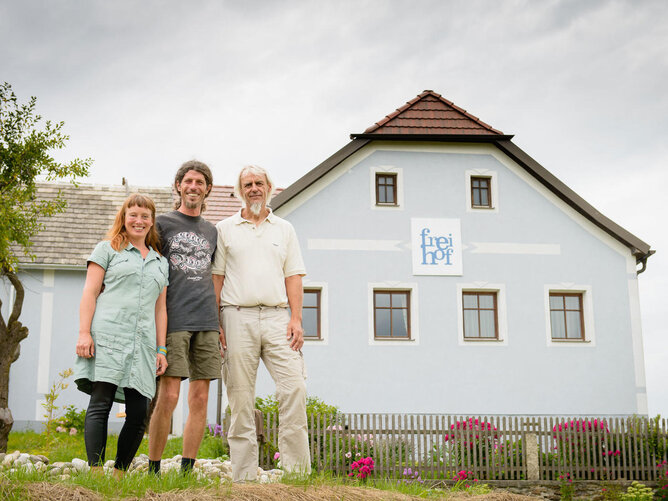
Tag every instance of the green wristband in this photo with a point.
(162, 350)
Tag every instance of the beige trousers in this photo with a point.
(253, 334)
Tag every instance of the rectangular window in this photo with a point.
(386, 189)
(392, 314)
(481, 193)
(566, 315)
(311, 314)
(481, 318)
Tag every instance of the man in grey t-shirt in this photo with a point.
(193, 332)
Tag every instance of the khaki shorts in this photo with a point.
(194, 355)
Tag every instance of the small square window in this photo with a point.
(481, 192)
(481, 317)
(392, 314)
(566, 316)
(386, 189)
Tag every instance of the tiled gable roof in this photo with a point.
(431, 113)
(69, 237)
(429, 117)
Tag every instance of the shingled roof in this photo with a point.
(69, 237)
(430, 117)
(432, 114)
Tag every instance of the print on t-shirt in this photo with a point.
(189, 253)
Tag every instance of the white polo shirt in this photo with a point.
(255, 260)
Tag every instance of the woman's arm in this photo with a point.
(93, 286)
(161, 330)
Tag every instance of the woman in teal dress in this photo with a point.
(122, 330)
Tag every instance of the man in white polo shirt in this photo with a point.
(259, 266)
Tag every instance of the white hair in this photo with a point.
(258, 171)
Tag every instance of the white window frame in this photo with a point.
(324, 318)
(502, 318)
(398, 287)
(587, 311)
(494, 190)
(386, 169)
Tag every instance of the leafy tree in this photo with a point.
(25, 146)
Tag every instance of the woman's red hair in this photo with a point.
(117, 233)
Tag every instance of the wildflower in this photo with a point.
(73, 431)
(348, 454)
(277, 456)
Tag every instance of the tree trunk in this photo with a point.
(11, 334)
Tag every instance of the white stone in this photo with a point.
(29, 466)
(264, 478)
(80, 464)
(109, 463)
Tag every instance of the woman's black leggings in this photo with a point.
(97, 417)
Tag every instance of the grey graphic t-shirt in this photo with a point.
(189, 244)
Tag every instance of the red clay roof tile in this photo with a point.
(431, 113)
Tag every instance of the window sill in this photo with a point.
(401, 339)
(482, 340)
(386, 205)
(482, 207)
(575, 341)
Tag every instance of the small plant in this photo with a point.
(463, 480)
(362, 469)
(410, 477)
(638, 492)
(611, 492)
(566, 488)
(215, 430)
(662, 491)
(73, 421)
(50, 406)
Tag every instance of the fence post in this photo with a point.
(532, 456)
(531, 448)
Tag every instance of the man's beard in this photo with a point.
(255, 208)
(191, 205)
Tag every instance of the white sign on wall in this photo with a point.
(437, 246)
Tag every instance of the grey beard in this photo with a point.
(256, 209)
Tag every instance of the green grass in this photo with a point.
(13, 486)
(65, 447)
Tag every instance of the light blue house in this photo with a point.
(448, 272)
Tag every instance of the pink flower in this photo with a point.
(73, 431)
(277, 456)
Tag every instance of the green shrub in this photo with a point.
(73, 418)
(638, 492)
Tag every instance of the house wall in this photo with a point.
(51, 313)
(551, 247)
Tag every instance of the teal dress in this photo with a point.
(123, 326)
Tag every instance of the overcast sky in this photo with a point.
(144, 86)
